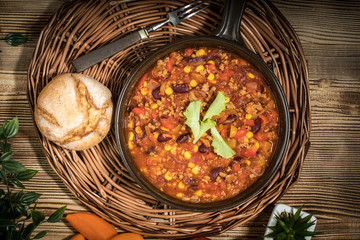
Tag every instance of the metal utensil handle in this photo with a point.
(96, 56)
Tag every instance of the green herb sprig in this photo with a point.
(192, 114)
(15, 207)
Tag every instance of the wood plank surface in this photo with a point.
(330, 182)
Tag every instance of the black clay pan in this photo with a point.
(226, 37)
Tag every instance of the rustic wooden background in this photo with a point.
(330, 182)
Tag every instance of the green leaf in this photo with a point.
(2, 175)
(41, 234)
(297, 214)
(28, 230)
(6, 156)
(5, 147)
(220, 146)
(6, 223)
(192, 114)
(19, 195)
(283, 225)
(204, 126)
(2, 133)
(57, 215)
(2, 192)
(217, 106)
(37, 217)
(11, 128)
(15, 39)
(26, 175)
(29, 198)
(13, 166)
(18, 184)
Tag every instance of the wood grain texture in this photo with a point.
(330, 182)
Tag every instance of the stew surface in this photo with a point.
(162, 145)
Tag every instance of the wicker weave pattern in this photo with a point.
(96, 176)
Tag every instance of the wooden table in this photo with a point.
(330, 182)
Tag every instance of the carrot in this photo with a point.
(127, 236)
(141, 83)
(91, 226)
(77, 237)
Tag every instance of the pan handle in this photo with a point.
(229, 27)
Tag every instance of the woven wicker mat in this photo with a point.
(97, 176)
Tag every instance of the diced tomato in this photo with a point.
(272, 115)
(250, 152)
(222, 184)
(139, 110)
(252, 86)
(211, 186)
(210, 156)
(211, 67)
(240, 133)
(261, 136)
(224, 131)
(169, 123)
(229, 73)
(170, 63)
(153, 114)
(189, 51)
(196, 158)
(150, 162)
(217, 193)
(236, 167)
(249, 122)
(141, 83)
(226, 75)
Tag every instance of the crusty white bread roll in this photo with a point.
(74, 111)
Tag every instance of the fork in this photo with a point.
(175, 17)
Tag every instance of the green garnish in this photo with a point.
(204, 126)
(192, 114)
(220, 146)
(15, 39)
(217, 106)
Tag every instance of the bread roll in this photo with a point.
(74, 111)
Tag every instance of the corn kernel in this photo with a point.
(193, 83)
(168, 176)
(250, 75)
(196, 148)
(204, 134)
(257, 145)
(130, 144)
(179, 195)
(154, 106)
(246, 140)
(198, 193)
(187, 69)
(167, 147)
(200, 52)
(249, 134)
(145, 84)
(165, 129)
(191, 164)
(168, 91)
(248, 116)
(173, 150)
(144, 91)
(211, 77)
(199, 68)
(131, 136)
(247, 162)
(130, 125)
(211, 62)
(187, 155)
(156, 135)
(138, 129)
(195, 170)
(181, 185)
(227, 99)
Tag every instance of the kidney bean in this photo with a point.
(256, 128)
(183, 138)
(237, 159)
(181, 88)
(155, 93)
(194, 187)
(214, 173)
(163, 137)
(230, 119)
(203, 148)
